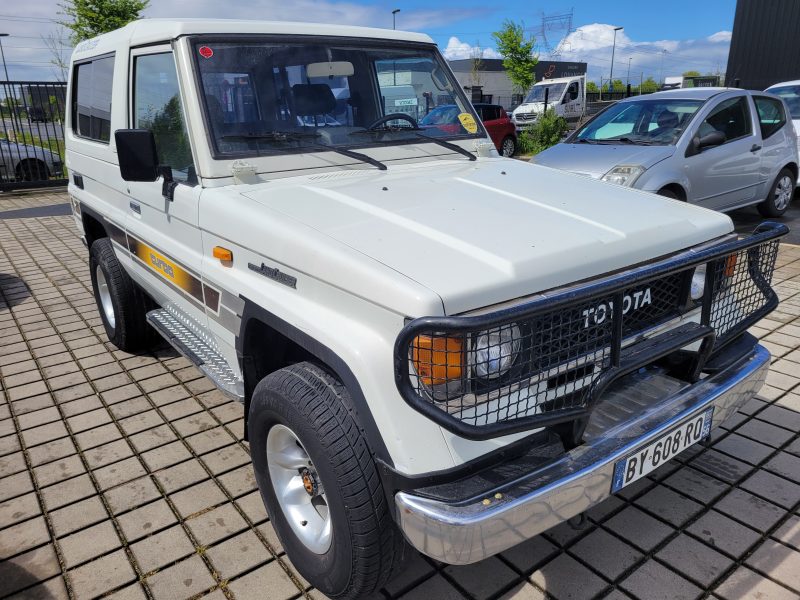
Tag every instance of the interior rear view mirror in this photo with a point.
(137, 155)
(330, 69)
(440, 79)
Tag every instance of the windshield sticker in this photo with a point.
(205, 52)
(468, 122)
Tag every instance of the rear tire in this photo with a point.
(122, 304)
(780, 195)
(32, 170)
(508, 147)
(303, 435)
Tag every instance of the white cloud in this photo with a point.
(593, 44)
(456, 49)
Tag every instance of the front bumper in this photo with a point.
(469, 531)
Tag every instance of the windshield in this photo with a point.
(790, 95)
(553, 96)
(646, 122)
(267, 96)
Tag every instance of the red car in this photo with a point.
(500, 128)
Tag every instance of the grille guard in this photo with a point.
(720, 323)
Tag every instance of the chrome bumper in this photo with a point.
(465, 533)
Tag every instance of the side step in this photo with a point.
(180, 333)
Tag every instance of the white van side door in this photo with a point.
(163, 234)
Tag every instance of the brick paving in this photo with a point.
(125, 475)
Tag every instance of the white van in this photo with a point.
(566, 95)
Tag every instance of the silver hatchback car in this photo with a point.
(718, 147)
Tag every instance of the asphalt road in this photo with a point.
(747, 218)
(43, 131)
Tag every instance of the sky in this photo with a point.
(695, 34)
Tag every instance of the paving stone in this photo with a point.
(183, 580)
(483, 579)
(721, 466)
(253, 507)
(53, 589)
(238, 554)
(34, 419)
(44, 433)
(80, 406)
(581, 583)
(197, 498)
(101, 575)
(694, 560)
(141, 422)
(744, 583)
(18, 509)
(59, 470)
(23, 536)
(132, 592)
(744, 448)
(181, 475)
(132, 494)
(89, 543)
(106, 454)
(779, 561)
(119, 472)
(194, 424)
(162, 548)
(775, 489)
(785, 464)
(697, 485)
(25, 569)
(782, 416)
(51, 451)
(751, 510)
(413, 569)
(268, 531)
(68, 491)
(655, 582)
(638, 528)
(209, 440)
(226, 459)
(146, 520)
(98, 436)
(606, 553)
(166, 456)
(724, 533)
(9, 444)
(272, 577)
(33, 404)
(669, 505)
(168, 395)
(765, 433)
(89, 420)
(152, 438)
(239, 481)
(216, 524)
(789, 532)
(78, 515)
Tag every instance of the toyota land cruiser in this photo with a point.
(433, 344)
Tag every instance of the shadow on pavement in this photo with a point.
(14, 578)
(13, 291)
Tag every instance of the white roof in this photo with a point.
(558, 80)
(783, 83)
(149, 31)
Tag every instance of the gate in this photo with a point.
(32, 134)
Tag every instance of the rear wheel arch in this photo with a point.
(793, 168)
(267, 343)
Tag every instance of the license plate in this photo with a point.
(665, 448)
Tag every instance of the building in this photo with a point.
(489, 82)
(765, 46)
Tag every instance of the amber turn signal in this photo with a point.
(730, 265)
(222, 254)
(437, 359)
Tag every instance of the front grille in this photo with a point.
(525, 116)
(540, 361)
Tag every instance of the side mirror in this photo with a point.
(715, 138)
(137, 155)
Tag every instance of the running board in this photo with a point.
(203, 354)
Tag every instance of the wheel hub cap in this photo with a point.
(298, 489)
(783, 193)
(105, 296)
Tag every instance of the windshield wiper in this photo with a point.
(415, 131)
(284, 136)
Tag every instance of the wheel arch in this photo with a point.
(267, 343)
(93, 225)
(793, 168)
(675, 188)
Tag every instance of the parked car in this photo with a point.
(565, 95)
(499, 127)
(789, 92)
(716, 147)
(37, 114)
(434, 345)
(26, 162)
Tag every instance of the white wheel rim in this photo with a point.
(508, 148)
(105, 297)
(783, 192)
(290, 469)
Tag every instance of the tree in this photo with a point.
(477, 65)
(93, 17)
(591, 86)
(691, 74)
(519, 60)
(59, 53)
(649, 86)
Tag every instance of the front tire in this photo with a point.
(508, 147)
(319, 482)
(780, 195)
(122, 304)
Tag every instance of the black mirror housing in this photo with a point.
(137, 155)
(715, 138)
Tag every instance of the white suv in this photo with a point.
(432, 343)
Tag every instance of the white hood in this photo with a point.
(490, 231)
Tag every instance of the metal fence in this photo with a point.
(32, 134)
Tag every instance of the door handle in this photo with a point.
(755, 148)
(135, 207)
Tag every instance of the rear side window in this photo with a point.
(91, 104)
(770, 115)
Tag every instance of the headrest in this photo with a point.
(313, 99)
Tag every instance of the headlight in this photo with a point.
(495, 351)
(625, 175)
(698, 282)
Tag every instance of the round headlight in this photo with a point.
(495, 350)
(698, 282)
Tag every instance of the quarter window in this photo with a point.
(731, 117)
(157, 107)
(770, 115)
(91, 116)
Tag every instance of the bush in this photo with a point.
(547, 131)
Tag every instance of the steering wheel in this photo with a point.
(393, 117)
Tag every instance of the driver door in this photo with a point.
(571, 104)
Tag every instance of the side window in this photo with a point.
(770, 115)
(731, 117)
(91, 106)
(491, 113)
(157, 106)
(572, 92)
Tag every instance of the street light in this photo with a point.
(394, 18)
(613, 47)
(628, 79)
